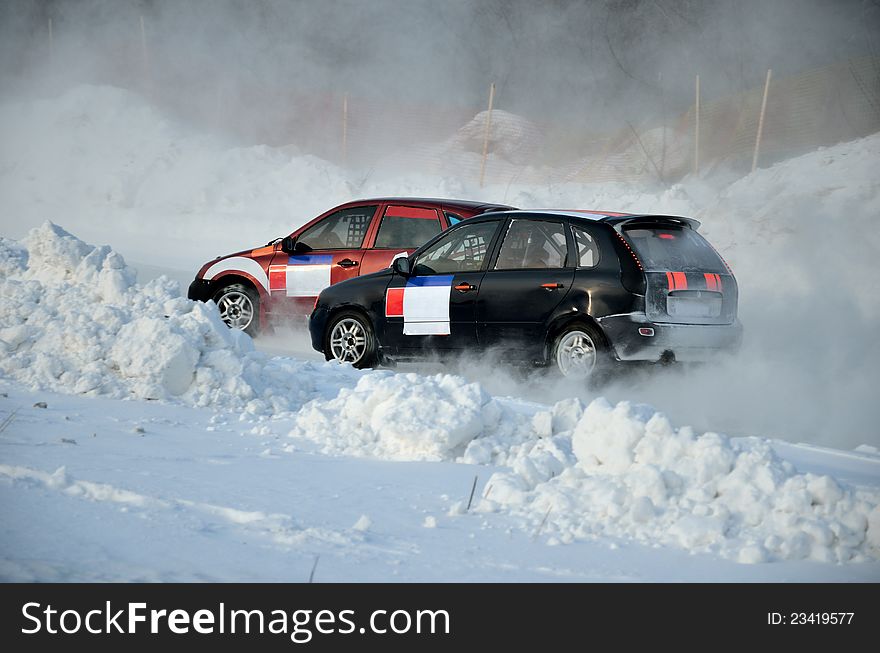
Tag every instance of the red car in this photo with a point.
(285, 277)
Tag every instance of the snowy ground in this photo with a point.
(173, 449)
(190, 500)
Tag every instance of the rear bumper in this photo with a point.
(199, 290)
(683, 342)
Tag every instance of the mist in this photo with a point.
(178, 131)
(268, 71)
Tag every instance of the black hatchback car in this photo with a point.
(574, 289)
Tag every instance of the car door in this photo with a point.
(326, 252)
(401, 229)
(435, 306)
(529, 277)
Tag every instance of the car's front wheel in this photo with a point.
(350, 339)
(579, 353)
(239, 307)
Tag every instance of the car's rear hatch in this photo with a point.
(687, 282)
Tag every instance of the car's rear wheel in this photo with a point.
(350, 339)
(239, 307)
(579, 353)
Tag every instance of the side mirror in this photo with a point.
(290, 245)
(301, 248)
(401, 266)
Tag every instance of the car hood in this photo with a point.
(247, 253)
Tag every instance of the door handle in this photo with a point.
(464, 287)
(347, 263)
(552, 286)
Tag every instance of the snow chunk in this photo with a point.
(363, 524)
(632, 474)
(400, 417)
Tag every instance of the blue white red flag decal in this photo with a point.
(423, 303)
(304, 275)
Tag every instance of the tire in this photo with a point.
(580, 353)
(239, 307)
(349, 338)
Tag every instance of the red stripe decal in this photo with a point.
(277, 277)
(670, 280)
(394, 302)
(681, 280)
(711, 282)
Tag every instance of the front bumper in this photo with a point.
(199, 290)
(681, 342)
(317, 324)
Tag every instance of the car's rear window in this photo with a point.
(673, 248)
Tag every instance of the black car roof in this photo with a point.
(608, 217)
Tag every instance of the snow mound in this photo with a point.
(72, 319)
(618, 471)
(400, 417)
(624, 471)
(511, 137)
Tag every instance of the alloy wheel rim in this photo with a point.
(348, 340)
(576, 355)
(236, 310)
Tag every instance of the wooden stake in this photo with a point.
(697, 130)
(344, 128)
(51, 44)
(486, 136)
(143, 43)
(471, 498)
(761, 121)
(543, 521)
(314, 566)
(218, 107)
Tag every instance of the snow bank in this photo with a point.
(624, 471)
(72, 319)
(619, 471)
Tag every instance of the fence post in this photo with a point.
(486, 135)
(697, 129)
(344, 128)
(761, 121)
(144, 48)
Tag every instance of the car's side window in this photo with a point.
(587, 250)
(454, 218)
(407, 228)
(533, 244)
(344, 229)
(463, 249)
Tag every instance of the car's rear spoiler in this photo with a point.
(619, 222)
